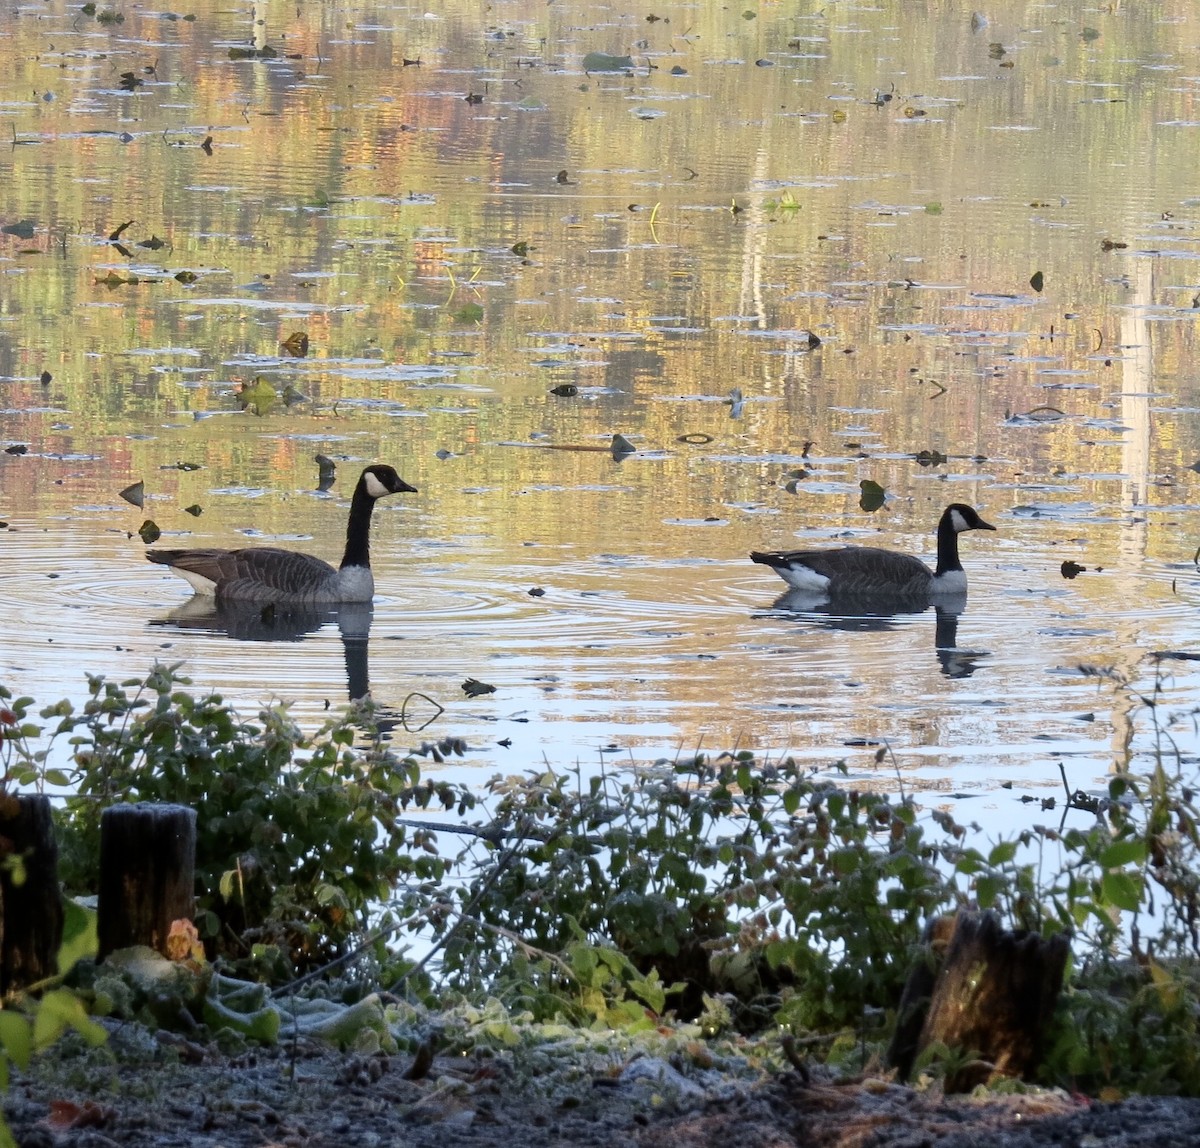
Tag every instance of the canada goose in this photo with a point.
(266, 574)
(869, 571)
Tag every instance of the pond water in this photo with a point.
(990, 224)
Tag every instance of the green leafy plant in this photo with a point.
(35, 1018)
(298, 836)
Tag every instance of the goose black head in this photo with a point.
(962, 517)
(379, 479)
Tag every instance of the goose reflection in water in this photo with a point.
(282, 622)
(882, 614)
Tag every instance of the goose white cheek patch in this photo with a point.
(374, 487)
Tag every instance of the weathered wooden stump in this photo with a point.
(31, 912)
(147, 874)
(993, 995)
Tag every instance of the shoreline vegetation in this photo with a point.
(725, 914)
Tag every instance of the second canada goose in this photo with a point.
(870, 571)
(265, 574)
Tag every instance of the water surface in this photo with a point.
(462, 219)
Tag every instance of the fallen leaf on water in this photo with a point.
(621, 446)
(149, 532)
(475, 689)
(256, 395)
(195, 510)
(117, 234)
(186, 277)
(1037, 281)
(17, 448)
(565, 390)
(296, 344)
(1072, 569)
(46, 378)
(134, 494)
(536, 592)
(603, 62)
(872, 497)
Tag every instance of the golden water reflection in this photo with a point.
(837, 214)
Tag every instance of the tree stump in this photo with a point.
(147, 874)
(31, 912)
(992, 997)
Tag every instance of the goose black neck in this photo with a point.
(358, 529)
(947, 546)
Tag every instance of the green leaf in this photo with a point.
(987, 889)
(15, 1038)
(80, 940)
(1130, 851)
(59, 1010)
(1003, 853)
(1124, 890)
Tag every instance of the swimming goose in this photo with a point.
(869, 571)
(266, 574)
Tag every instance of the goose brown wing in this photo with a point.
(858, 570)
(259, 573)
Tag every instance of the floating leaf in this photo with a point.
(603, 62)
(473, 98)
(186, 277)
(129, 82)
(930, 457)
(521, 249)
(17, 448)
(265, 53)
(46, 378)
(565, 390)
(25, 229)
(1112, 245)
(476, 689)
(471, 313)
(621, 446)
(153, 243)
(256, 395)
(291, 396)
(695, 439)
(134, 494)
(195, 510)
(117, 234)
(536, 592)
(206, 146)
(296, 344)
(1072, 569)
(1036, 281)
(872, 497)
(149, 531)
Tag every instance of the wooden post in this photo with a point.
(31, 912)
(993, 996)
(147, 874)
